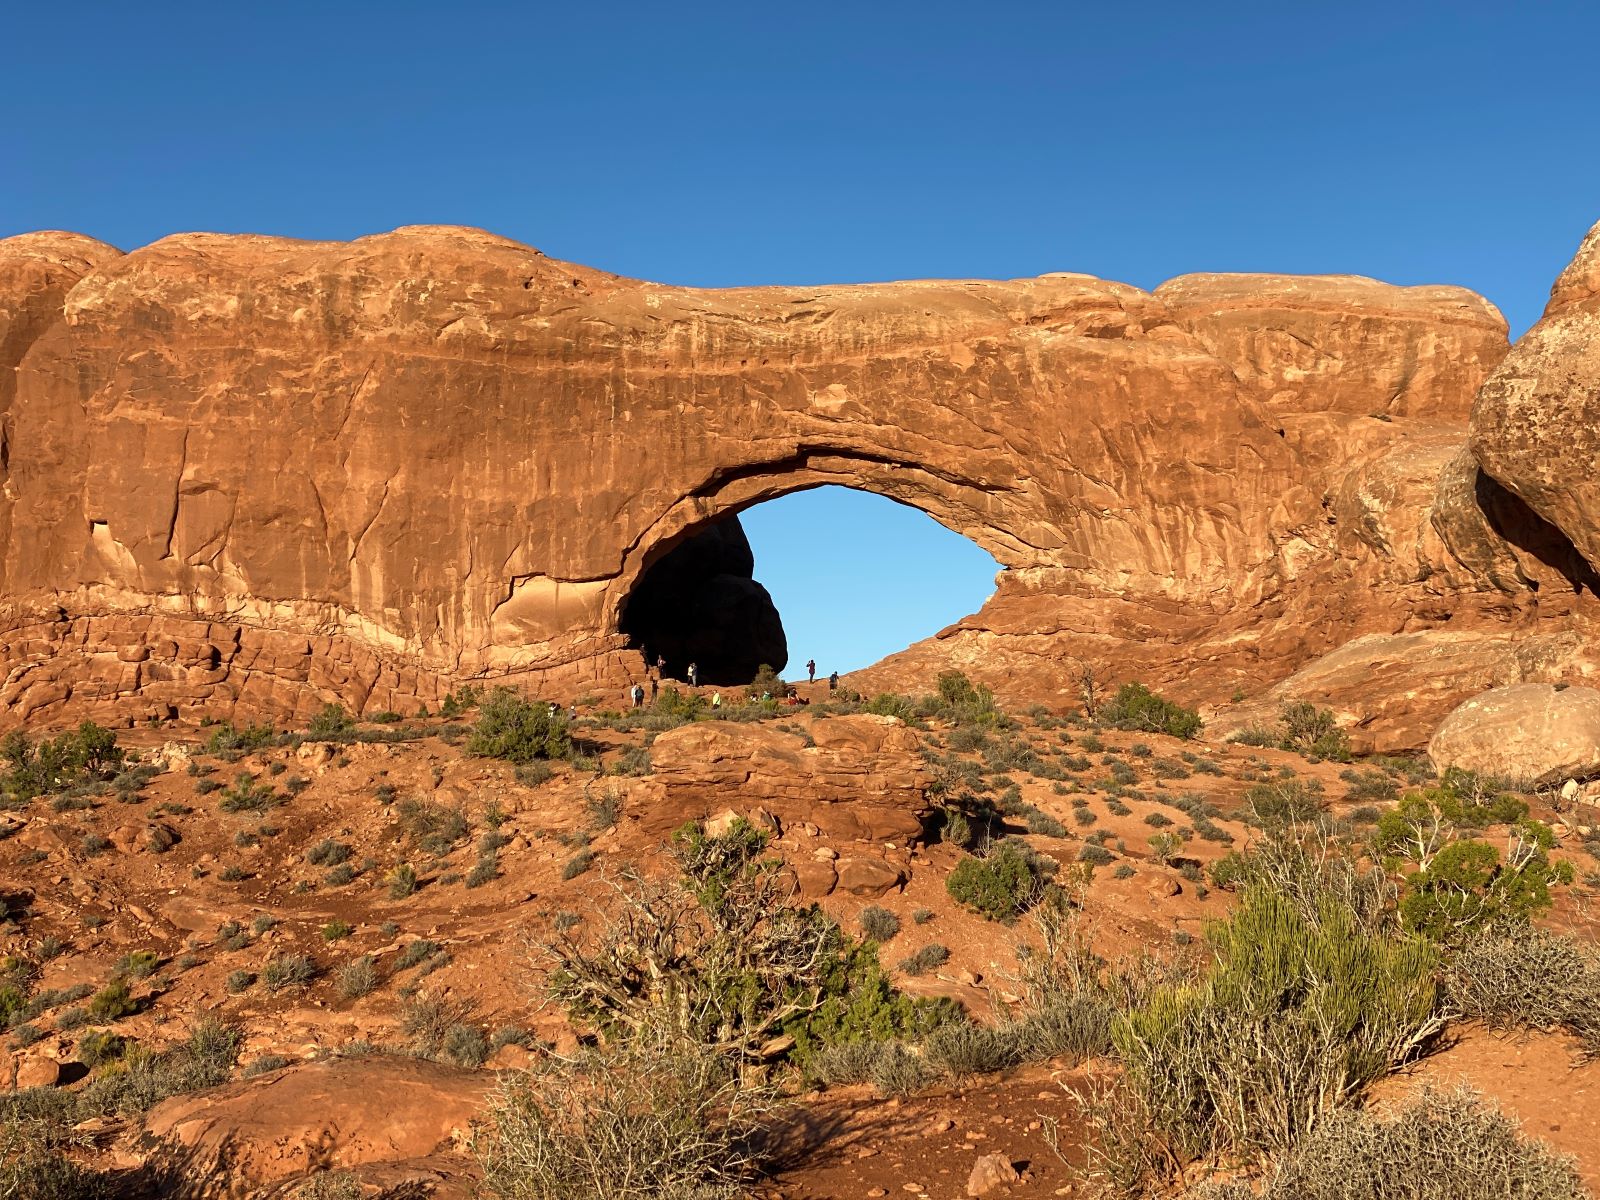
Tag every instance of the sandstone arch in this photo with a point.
(256, 473)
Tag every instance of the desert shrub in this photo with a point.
(35, 1166)
(1096, 855)
(1043, 824)
(1164, 847)
(402, 881)
(962, 1049)
(1251, 1056)
(139, 964)
(139, 1079)
(88, 754)
(1313, 731)
(465, 1045)
(248, 794)
(1137, 707)
(330, 1185)
(286, 971)
(1284, 802)
(328, 853)
(331, 723)
(929, 958)
(335, 931)
(651, 1119)
(434, 827)
(635, 760)
(113, 1002)
(418, 951)
(719, 958)
(878, 923)
(357, 977)
(1256, 735)
(1466, 886)
(227, 738)
(518, 730)
(100, 1046)
(1438, 1146)
(1514, 976)
(1157, 820)
(484, 871)
(578, 864)
(1368, 785)
(1068, 1001)
(1002, 884)
(239, 981)
(455, 704)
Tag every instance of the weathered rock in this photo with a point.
(336, 1114)
(1536, 423)
(1533, 732)
(465, 457)
(989, 1173)
(863, 778)
(35, 1070)
(868, 876)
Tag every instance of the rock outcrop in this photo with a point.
(1533, 733)
(1536, 423)
(253, 474)
(853, 777)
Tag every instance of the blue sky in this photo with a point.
(720, 144)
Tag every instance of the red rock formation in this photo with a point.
(255, 473)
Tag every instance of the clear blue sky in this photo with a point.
(715, 144)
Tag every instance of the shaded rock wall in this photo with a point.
(259, 473)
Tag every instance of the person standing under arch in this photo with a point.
(694, 674)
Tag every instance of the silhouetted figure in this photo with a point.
(655, 687)
(661, 665)
(811, 670)
(694, 674)
(833, 682)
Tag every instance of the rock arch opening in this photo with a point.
(855, 576)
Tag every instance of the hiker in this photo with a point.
(716, 699)
(833, 682)
(811, 670)
(694, 674)
(572, 713)
(661, 665)
(655, 687)
(554, 709)
(637, 696)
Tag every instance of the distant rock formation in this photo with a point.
(253, 474)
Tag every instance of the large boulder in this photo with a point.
(338, 1114)
(1535, 733)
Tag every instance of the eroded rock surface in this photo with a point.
(1533, 733)
(249, 474)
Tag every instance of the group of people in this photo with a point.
(657, 669)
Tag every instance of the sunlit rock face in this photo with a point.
(255, 474)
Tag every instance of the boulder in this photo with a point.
(1533, 733)
(337, 1114)
(868, 876)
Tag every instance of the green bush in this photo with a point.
(929, 958)
(1465, 886)
(1137, 707)
(331, 723)
(1002, 884)
(1313, 731)
(1297, 1015)
(113, 1002)
(518, 730)
(88, 754)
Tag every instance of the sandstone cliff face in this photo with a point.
(259, 473)
(1536, 423)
